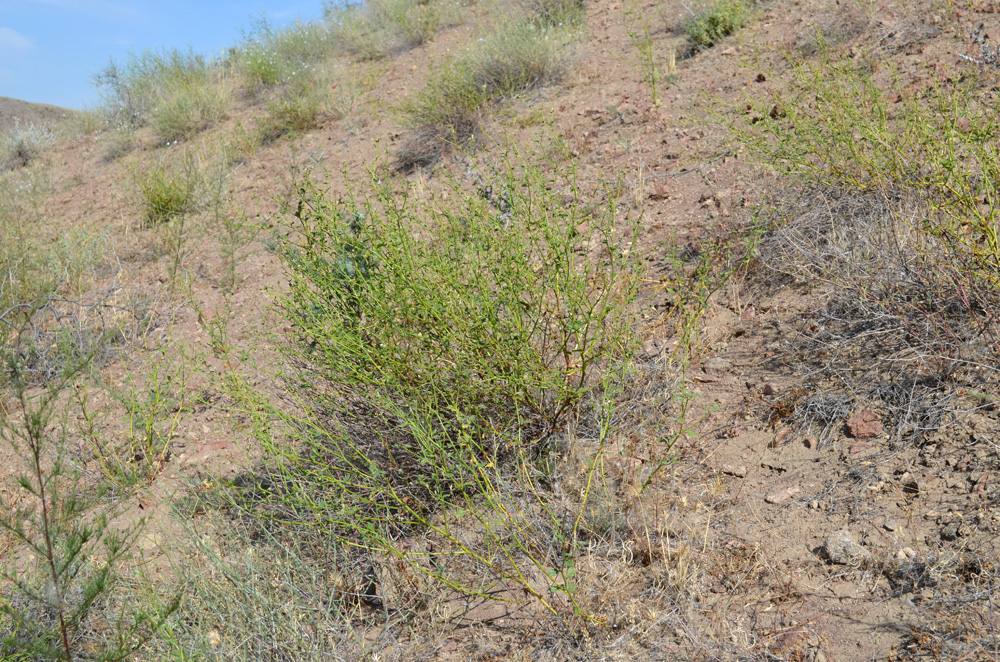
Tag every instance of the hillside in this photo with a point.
(29, 113)
(548, 330)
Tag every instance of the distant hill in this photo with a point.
(30, 113)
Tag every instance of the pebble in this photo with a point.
(890, 524)
(782, 495)
(841, 548)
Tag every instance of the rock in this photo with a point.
(857, 447)
(782, 495)
(840, 548)
(909, 552)
(864, 425)
(717, 364)
(814, 504)
(810, 442)
(890, 524)
(740, 471)
(780, 437)
(954, 530)
(768, 389)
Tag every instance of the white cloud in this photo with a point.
(13, 42)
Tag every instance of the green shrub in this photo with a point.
(921, 246)
(300, 109)
(548, 13)
(21, 145)
(382, 28)
(268, 56)
(513, 58)
(189, 106)
(167, 190)
(719, 20)
(441, 351)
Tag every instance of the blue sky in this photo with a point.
(50, 49)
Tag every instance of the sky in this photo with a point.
(51, 49)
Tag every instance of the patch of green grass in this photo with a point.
(717, 21)
(554, 13)
(188, 106)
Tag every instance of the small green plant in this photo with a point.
(236, 232)
(639, 33)
(554, 13)
(267, 57)
(47, 603)
(297, 111)
(154, 402)
(928, 252)
(189, 105)
(717, 21)
(166, 190)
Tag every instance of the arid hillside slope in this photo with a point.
(548, 330)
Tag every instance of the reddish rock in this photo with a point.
(864, 425)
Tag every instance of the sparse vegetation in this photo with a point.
(178, 93)
(930, 259)
(513, 58)
(376, 29)
(268, 56)
(716, 21)
(20, 145)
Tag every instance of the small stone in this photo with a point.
(901, 555)
(909, 552)
(841, 548)
(954, 530)
(780, 437)
(782, 495)
(814, 504)
(717, 364)
(864, 425)
(768, 389)
(740, 471)
(857, 447)
(810, 442)
(890, 524)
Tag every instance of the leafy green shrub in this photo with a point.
(441, 351)
(719, 20)
(21, 145)
(382, 28)
(511, 59)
